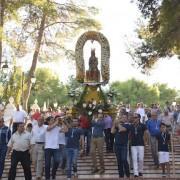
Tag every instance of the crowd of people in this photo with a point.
(58, 139)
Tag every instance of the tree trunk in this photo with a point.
(34, 62)
(2, 8)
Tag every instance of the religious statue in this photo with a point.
(93, 74)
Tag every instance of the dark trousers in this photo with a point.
(24, 159)
(51, 153)
(121, 155)
(3, 150)
(109, 139)
(62, 151)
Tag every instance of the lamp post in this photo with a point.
(4, 78)
(5, 68)
(4, 71)
(4, 64)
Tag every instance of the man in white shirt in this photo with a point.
(51, 147)
(38, 134)
(19, 116)
(20, 143)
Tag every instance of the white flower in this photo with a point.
(90, 113)
(100, 111)
(94, 102)
(84, 105)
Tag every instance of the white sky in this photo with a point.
(119, 20)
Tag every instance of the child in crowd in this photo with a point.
(163, 150)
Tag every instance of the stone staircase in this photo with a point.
(85, 164)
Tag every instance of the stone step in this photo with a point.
(107, 177)
(111, 172)
(98, 176)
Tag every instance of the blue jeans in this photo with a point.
(71, 155)
(87, 139)
(3, 150)
(121, 155)
(51, 153)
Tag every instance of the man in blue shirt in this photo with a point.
(121, 130)
(5, 135)
(154, 129)
(74, 135)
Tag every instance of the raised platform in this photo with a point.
(93, 83)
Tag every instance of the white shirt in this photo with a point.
(62, 139)
(52, 138)
(38, 133)
(141, 111)
(34, 123)
(20, 142)
(167, 120)
(19, 116)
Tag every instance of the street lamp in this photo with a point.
(5, 71)
(5, 68)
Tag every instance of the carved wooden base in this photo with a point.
(92, 76)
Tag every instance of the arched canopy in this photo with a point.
(105, 55)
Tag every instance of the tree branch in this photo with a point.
(60, 22)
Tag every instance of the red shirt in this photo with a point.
(84, 122)
(36, 115)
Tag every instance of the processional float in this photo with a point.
(93, 98)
